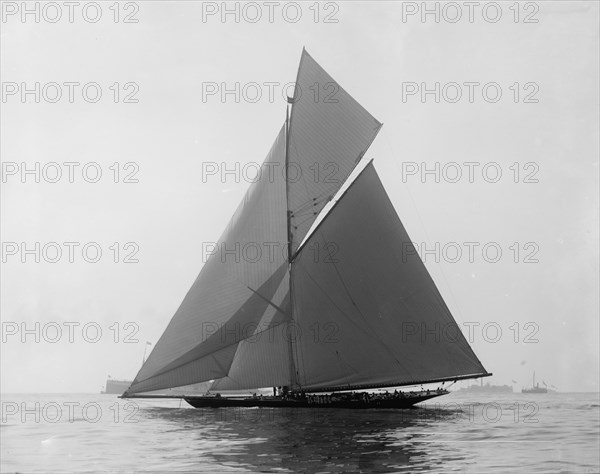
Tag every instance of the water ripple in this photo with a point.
(558, 433)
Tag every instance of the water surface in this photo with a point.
(460, 432)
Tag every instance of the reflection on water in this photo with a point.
(317, 439)
(463, 433)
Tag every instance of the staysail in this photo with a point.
(351, 306)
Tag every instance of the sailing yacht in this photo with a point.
(315, 290)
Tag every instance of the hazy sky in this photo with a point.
(545, 304)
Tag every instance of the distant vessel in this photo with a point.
(487, 388)
(117, 387)
(308, 302)
(535, 388)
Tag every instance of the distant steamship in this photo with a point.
(117, 387)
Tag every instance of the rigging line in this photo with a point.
(211, 354)
(297, 157)
(325, 213)
(442, 310)
(297, 343)
(303, 369)
(318, 197)
(307, 204)
(344, 363)
(305, 214)
(424, 231)
(322, 198)
(270, 327)
(228, 318)
(333, 302)
(270, 271)
(312, 216)
(366, 321)
(305, 220)
(397, 383)
(268, 301)
(219, 365)
(319, 203)
(308, 209)
(368, 333)
(332, 202)
(300, 371)
(229, 368)
(293, 371)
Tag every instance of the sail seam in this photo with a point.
(349, 319)
(373, 334)
(211, 354)
(308, 237)
(334, 388)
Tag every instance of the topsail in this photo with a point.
(349, 305)
(329, 134)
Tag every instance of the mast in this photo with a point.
(292, 363)
(370, 292)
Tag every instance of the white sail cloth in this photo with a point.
(363, 310)
(368, 310)
(244, 279)
(329, 134)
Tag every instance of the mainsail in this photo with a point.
(245, 279)
(369, 312)
(345, 306)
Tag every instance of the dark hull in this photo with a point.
(407, 401)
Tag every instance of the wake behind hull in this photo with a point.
(406, 401)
